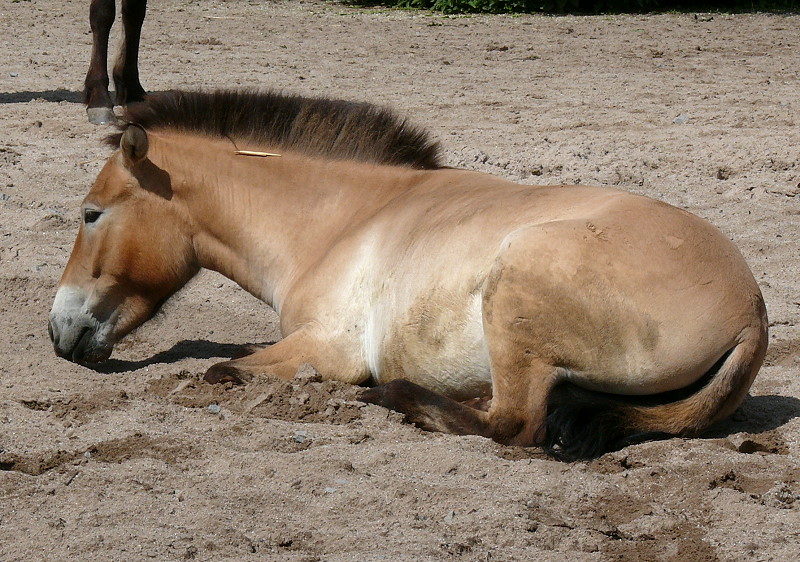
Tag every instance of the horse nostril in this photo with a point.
(51, 331)
(79, 351)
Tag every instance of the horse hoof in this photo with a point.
(222, 373)
(390, 395)
(101, 115)
(376, 395)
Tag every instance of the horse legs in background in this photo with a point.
(99, 106)
(126, 69)
(95, 92)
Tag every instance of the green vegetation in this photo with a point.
(591, 6)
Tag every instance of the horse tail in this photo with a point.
(583, 424)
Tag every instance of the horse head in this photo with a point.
(133, 251)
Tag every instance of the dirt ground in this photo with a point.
(141, 460)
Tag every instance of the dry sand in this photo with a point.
(130, 463)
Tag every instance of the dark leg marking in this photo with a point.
(99, 106)
(95, 92)
(427, 409)
(224, 372)
(126, 69)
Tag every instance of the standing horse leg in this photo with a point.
(126, 69)
(99, 107)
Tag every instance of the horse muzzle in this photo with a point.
(79, 344)
(75, 333)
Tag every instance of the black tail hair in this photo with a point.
(582, 424)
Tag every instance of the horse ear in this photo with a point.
(134, 144)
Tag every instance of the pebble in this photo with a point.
(214, 408)
(300, 436)
(780, 496)
(308, 373)
(14, 74)
(681, 119)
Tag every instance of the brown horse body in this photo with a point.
(99, 105)
(586, 314)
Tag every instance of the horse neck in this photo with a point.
(263, 222)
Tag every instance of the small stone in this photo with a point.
(214, 408)
(780, 496)
(330, 490)
(681, 119)
(299, 399)
(14, 74)
(300, 436)
(308, 373)
(449, 517)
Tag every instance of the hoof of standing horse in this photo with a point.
(225, 372)
(101, 115)
(128, 90)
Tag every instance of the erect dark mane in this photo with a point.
(316, 126)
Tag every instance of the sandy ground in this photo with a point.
(129, 462)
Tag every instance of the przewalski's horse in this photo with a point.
(573, 316)
(99, 106)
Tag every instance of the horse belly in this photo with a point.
(434, 344)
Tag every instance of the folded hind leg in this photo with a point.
(521, 377)
(515, 416)
(519, 329)
(427, 409)
(516, 411)
(521, 384)
(522, 355)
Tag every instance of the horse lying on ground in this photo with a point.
(577, 316)
(99, 106)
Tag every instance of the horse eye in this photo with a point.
(91, 215)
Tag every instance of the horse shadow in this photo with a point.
(757, 414)
(186, 349)
(54, 96)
